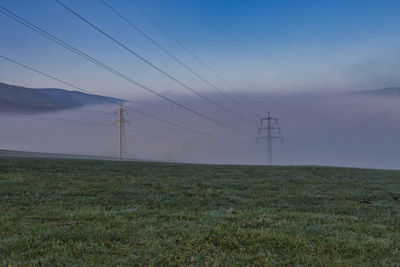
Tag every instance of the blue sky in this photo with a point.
(269, 46)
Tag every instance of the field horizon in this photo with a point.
(49, 155)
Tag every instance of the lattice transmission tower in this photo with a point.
(270, 129)
(122, 138)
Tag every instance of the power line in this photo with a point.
(144, 132)
(187, 128)
(225, 125)
(146, 36)
(46, 118)
(44, 74)
(177, 125)
(163, 29)
(104, 66)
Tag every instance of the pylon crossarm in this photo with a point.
(262, 128)
(278, 137)
(276, 128)
(261, 137)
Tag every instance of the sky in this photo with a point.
(257, 45)
(297, 59)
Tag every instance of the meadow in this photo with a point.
(109, 213)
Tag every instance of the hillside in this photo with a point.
(18, 98)
(90, 212)
(30, 154)
(390, 91)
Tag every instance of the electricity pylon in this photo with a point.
(122, 140)
(270, 128)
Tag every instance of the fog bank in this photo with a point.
(335, 130)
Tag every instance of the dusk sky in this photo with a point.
(267, 46)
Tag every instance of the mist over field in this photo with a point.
(329, 129)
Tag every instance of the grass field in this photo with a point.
(88, 212)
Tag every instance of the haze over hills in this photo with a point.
(36, 100)
(18, 98)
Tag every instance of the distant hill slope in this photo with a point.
(18, 98)
(390, 91)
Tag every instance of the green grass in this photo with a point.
(86, 212)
